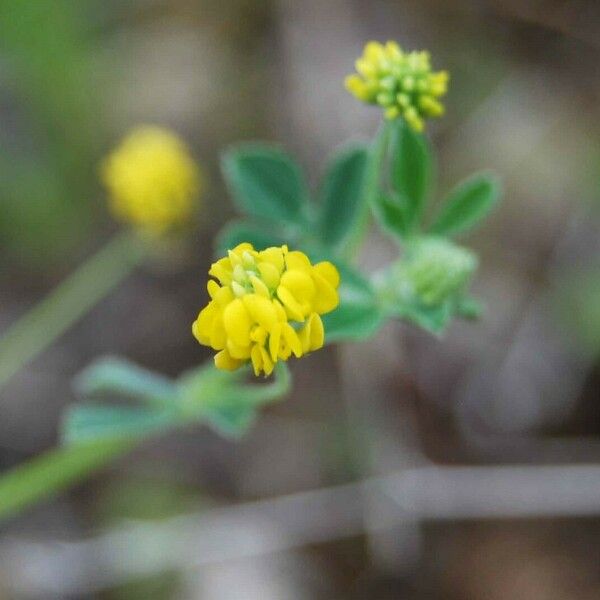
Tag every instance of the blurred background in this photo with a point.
(492, 433)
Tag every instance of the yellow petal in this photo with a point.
(257, 359)
(317, 332)
(292, 308)
(292, 339)
(225, 362)
(273, 256)
(261, 310)
(373, 51)
(268, 364)
(212, 287)
(326, 298)
(297, 260)
(269, 273)
(224, 296)
(221, 270)
(237, 289)
(329, 272)
(239, 352)
(275, 341)
(281, 316)
(203, 325)
(243, 247)
(430, 106)
(259, 286)
(218, 337)
(366, 67)
(300, 284)
(235, 259)
(237, 322)
(304, 336)
(258, 334)
(357, 87)
(393, 50)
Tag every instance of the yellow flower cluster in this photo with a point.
(152, 180)
(402, 83)
(265, 307)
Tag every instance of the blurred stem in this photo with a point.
(68, 302)
(54, 470)
(371, 189)
(279, 387)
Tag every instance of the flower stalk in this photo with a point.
(68, 302)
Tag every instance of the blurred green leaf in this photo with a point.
(351, 321)
(225, 401)
(390, 215)
(467, 204)
(98, 433)
(88, 422)
(358, 315)
(411, 170)
(432, 318)
(55, 470)
(231, 419)
(342, 193)
(112, 375)
(236, 232)
(265, 182)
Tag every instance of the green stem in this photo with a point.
(370, 189)
(67, 303)
(263, 394)
(55, 470)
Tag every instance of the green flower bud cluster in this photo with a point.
(434, 271)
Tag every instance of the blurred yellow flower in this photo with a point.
(265, 307)
(402, 83)
(152, 180)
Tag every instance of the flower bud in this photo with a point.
(434, 271)
(403, 84)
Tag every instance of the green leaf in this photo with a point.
(351, 321)
(467, 204)
(358, 315)
(411, 169)
(112, 375)
(225, 401)
(341, 194)
(236, 232)
(53, 471)
(390, 215)
(231, 419)
(265, 182)
(432, 318)
(89, 422)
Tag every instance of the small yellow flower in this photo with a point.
(152, 180)
(402, 83)
(265, 306)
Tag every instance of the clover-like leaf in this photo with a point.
(266, 183)
(341, 194)
(467, 204)
(411, 169)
